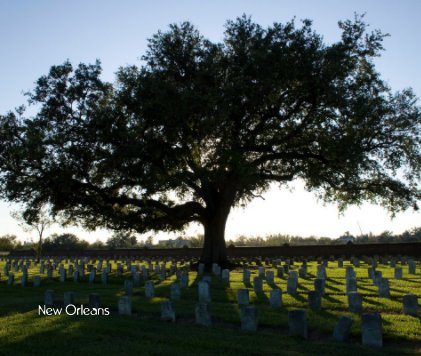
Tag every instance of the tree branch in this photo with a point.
(184, 211)
(289, 156)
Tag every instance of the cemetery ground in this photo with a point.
(143, 331)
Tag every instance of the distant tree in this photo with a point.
(122, 240)
(324, 241)
(98, 244)
(8, 242)
(412, 235)
(196, 241)
(364, 238)
(415, 233)
(66, 241)
(35, 219)
(277, 240)
(149, 241)
(240, 241)
(255, 241)
(164, 244)
(385, 237)
(201, 127)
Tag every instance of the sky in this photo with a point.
(34, 35)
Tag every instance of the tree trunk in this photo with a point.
(39, 249)
(214, 248)
(39, 252)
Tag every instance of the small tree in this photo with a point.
(37, 221)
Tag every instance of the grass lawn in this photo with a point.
(24, 332)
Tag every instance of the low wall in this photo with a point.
(410, 249)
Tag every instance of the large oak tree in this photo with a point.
(199, 127)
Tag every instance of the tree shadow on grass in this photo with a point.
(145, 321)
(124, 335)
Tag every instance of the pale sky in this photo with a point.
(37, 34)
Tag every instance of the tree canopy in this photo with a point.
(65, 241)
(122, 240)
(8, 242)
(199, 127)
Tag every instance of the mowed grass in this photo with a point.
(23, 331)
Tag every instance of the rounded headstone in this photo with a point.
(314, 300)
(125, 305)
(258, 285)
(248, 317)
(371, 330)
(202, 315)
(243, 296)
(167, 311)
(94, 300)
(355, 302)
(342, 329)
(204, 292)
(319, 285)
(398, 273)
(149, 289)
(68, 298)
(297, 323)
(410, 304)
(275, 298)
(49, 297)
(36, 281)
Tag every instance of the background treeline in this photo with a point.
(68, 241)
(413, 235)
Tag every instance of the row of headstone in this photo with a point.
(104, 273)
(127, 261)
(371, 329)
(69, 298)
(159, 269)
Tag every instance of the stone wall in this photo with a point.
(411, 249)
